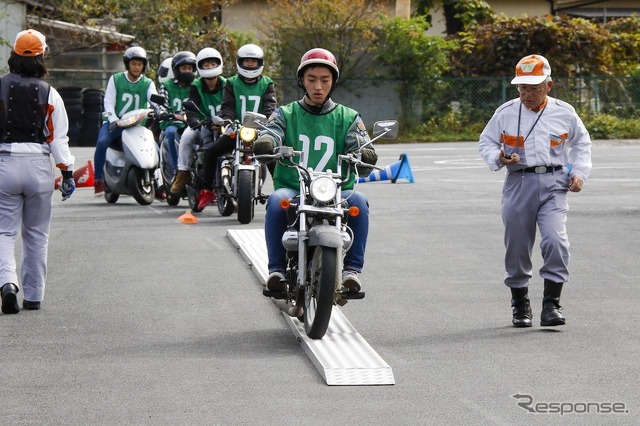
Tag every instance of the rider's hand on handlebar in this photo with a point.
(263, 145)
(369, 156)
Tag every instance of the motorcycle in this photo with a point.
(239, 177)
(131, 160)
(318, 234)
(166, 171)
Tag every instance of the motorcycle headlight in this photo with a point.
(247, 134)
(132, 118)
(323, 189)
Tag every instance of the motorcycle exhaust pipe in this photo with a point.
(292, 311)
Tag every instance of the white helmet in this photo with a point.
(254, 52)
(209, 53)
(165, 72)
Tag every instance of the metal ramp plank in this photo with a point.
(343, 357)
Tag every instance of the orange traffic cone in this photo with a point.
(401, 169)
(188, 218)
(83, 176)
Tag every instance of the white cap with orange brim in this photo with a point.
(532, 69)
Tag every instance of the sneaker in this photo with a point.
(98, 187)
(350, 281)
(275, 281)
(205, 198)
(182, 179)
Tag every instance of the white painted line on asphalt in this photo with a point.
(342, 356)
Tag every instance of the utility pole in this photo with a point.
(403, 8)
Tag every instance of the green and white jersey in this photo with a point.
(248, 96)
(210, 102)
(130, 96)
(176, 95)
(321, 137)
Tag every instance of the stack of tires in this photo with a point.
(84, 108)
(92, 105)
(72, 98)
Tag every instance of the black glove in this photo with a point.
(263, 145)
(164, 115)
(68, 184)
(369, 156)
(193, 123)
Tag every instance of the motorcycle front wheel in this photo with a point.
(318, 297)
(245, 196)
(141, 191)
(225, 202)
(110, 195)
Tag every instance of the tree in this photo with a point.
(574, 46)
(345, 27)
(413, 57)
(161, 27)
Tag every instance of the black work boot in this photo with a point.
(521, 307)
(551, 315)
(8, 293)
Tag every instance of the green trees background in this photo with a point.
(368, 44)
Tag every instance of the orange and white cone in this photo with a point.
(83, 176)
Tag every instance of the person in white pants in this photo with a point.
(547, 152)
(33, 127)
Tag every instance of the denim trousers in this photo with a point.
(275, 224)
(170, 133)
(105, 137)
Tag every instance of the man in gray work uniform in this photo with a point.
(547, 152)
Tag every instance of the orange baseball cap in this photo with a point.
(532, 69)
(29, 43)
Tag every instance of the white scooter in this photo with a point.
(132, 160)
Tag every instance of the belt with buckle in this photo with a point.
(542, 169)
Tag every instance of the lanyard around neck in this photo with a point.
(532, 127)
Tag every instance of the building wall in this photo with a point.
(12, 18)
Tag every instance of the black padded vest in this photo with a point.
(23, 107)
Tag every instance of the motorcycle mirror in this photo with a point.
(387, 129)
(190, 106)
(253, 120)
(158, 99)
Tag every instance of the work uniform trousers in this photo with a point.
(530, 200)
(26, 188)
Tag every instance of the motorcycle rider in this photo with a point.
(248, 90)
(315, 117)
(126, 91)
(206, 92)
(176, 91)
(163, 73)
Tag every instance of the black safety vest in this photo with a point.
(24, 102)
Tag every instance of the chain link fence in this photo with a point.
(472, 101)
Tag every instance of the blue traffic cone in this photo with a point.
(401, 169)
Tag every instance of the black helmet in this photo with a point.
(184, 58)
(135, 52)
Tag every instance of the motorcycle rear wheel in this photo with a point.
(173, 200)
(142, 192)
(192, 198)
(319, 293)
(246, 189)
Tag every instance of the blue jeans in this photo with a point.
(105, 137)
(275, 224)
(170, 133)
